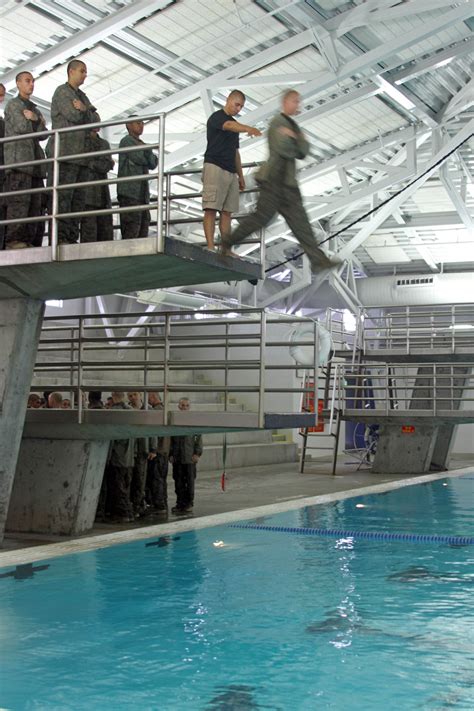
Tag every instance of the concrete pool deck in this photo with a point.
(250, 492)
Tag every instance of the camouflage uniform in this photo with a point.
(139, 472)
(63, 115)
(279, 192)
(157, 487)
(100, 227)
(115, 493)
(26, 177)
(184, 469)
(134, 224)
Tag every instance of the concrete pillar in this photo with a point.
(57, 485)
(20, 326)
(443, 446)
(402, 450)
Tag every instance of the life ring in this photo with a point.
(304, 355)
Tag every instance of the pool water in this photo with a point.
(263, 620)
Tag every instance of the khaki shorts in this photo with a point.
(220, 189)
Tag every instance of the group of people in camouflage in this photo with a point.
(222, 171)
(70, 108)
(135, 478)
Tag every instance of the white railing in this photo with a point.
(423, 389)
(417, 329)
(151, 351)
(164, 185)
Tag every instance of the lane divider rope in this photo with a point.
(366, 535)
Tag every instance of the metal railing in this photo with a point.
(417, 329)
(157, 351)
(423, 389)
(161, 205)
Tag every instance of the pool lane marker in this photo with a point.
(366, 535)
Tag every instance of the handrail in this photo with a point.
(165, 195)
(82, 356)
(412, 389)
(411, 328)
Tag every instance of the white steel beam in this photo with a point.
(323, 82)
(437, 59)
(78, 42)
(461, 101)
(428, 169)
(372, 11)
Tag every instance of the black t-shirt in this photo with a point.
(221, 145)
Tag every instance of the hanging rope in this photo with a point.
(371, 212)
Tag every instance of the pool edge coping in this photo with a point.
(47, 551)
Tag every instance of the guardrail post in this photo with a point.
(262, 252)
(145, 368)
(316, 369)
(55, 200)
(226, 367)
(166, 370)
(261, 383)
(80, 404)
(160, 237)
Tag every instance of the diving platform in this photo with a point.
(99, 268)
(123, 424)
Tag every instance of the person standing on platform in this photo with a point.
(3, 91)
(185, 453)
(137, 192)
(22, 117)
(222, 175)
(114, 499)
(140, 463)
(97, 228)
(159, 449)
(279, 191)
(71, 107)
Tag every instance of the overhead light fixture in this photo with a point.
(395, 93)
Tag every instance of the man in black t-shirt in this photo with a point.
(222, 175)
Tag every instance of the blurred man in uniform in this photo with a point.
(22, 116)
(137, 192)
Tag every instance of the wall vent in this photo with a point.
(416, 281)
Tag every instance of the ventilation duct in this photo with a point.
(413, 290)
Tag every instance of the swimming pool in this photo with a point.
(262, 620)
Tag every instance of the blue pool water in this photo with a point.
(267, 621)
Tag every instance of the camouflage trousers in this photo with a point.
(156, 484)
(288, 203)
(19, 206)
(138, 482)
(115, 492)
(71, 200)
(97, 228)
(184, 476)
(133, 224)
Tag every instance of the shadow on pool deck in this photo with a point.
(245, 488)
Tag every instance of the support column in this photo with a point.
(20, 326)
(57, 485)
(401, 450)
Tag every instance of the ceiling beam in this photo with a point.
(312, 88)
(87, 38)
(387, 210)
